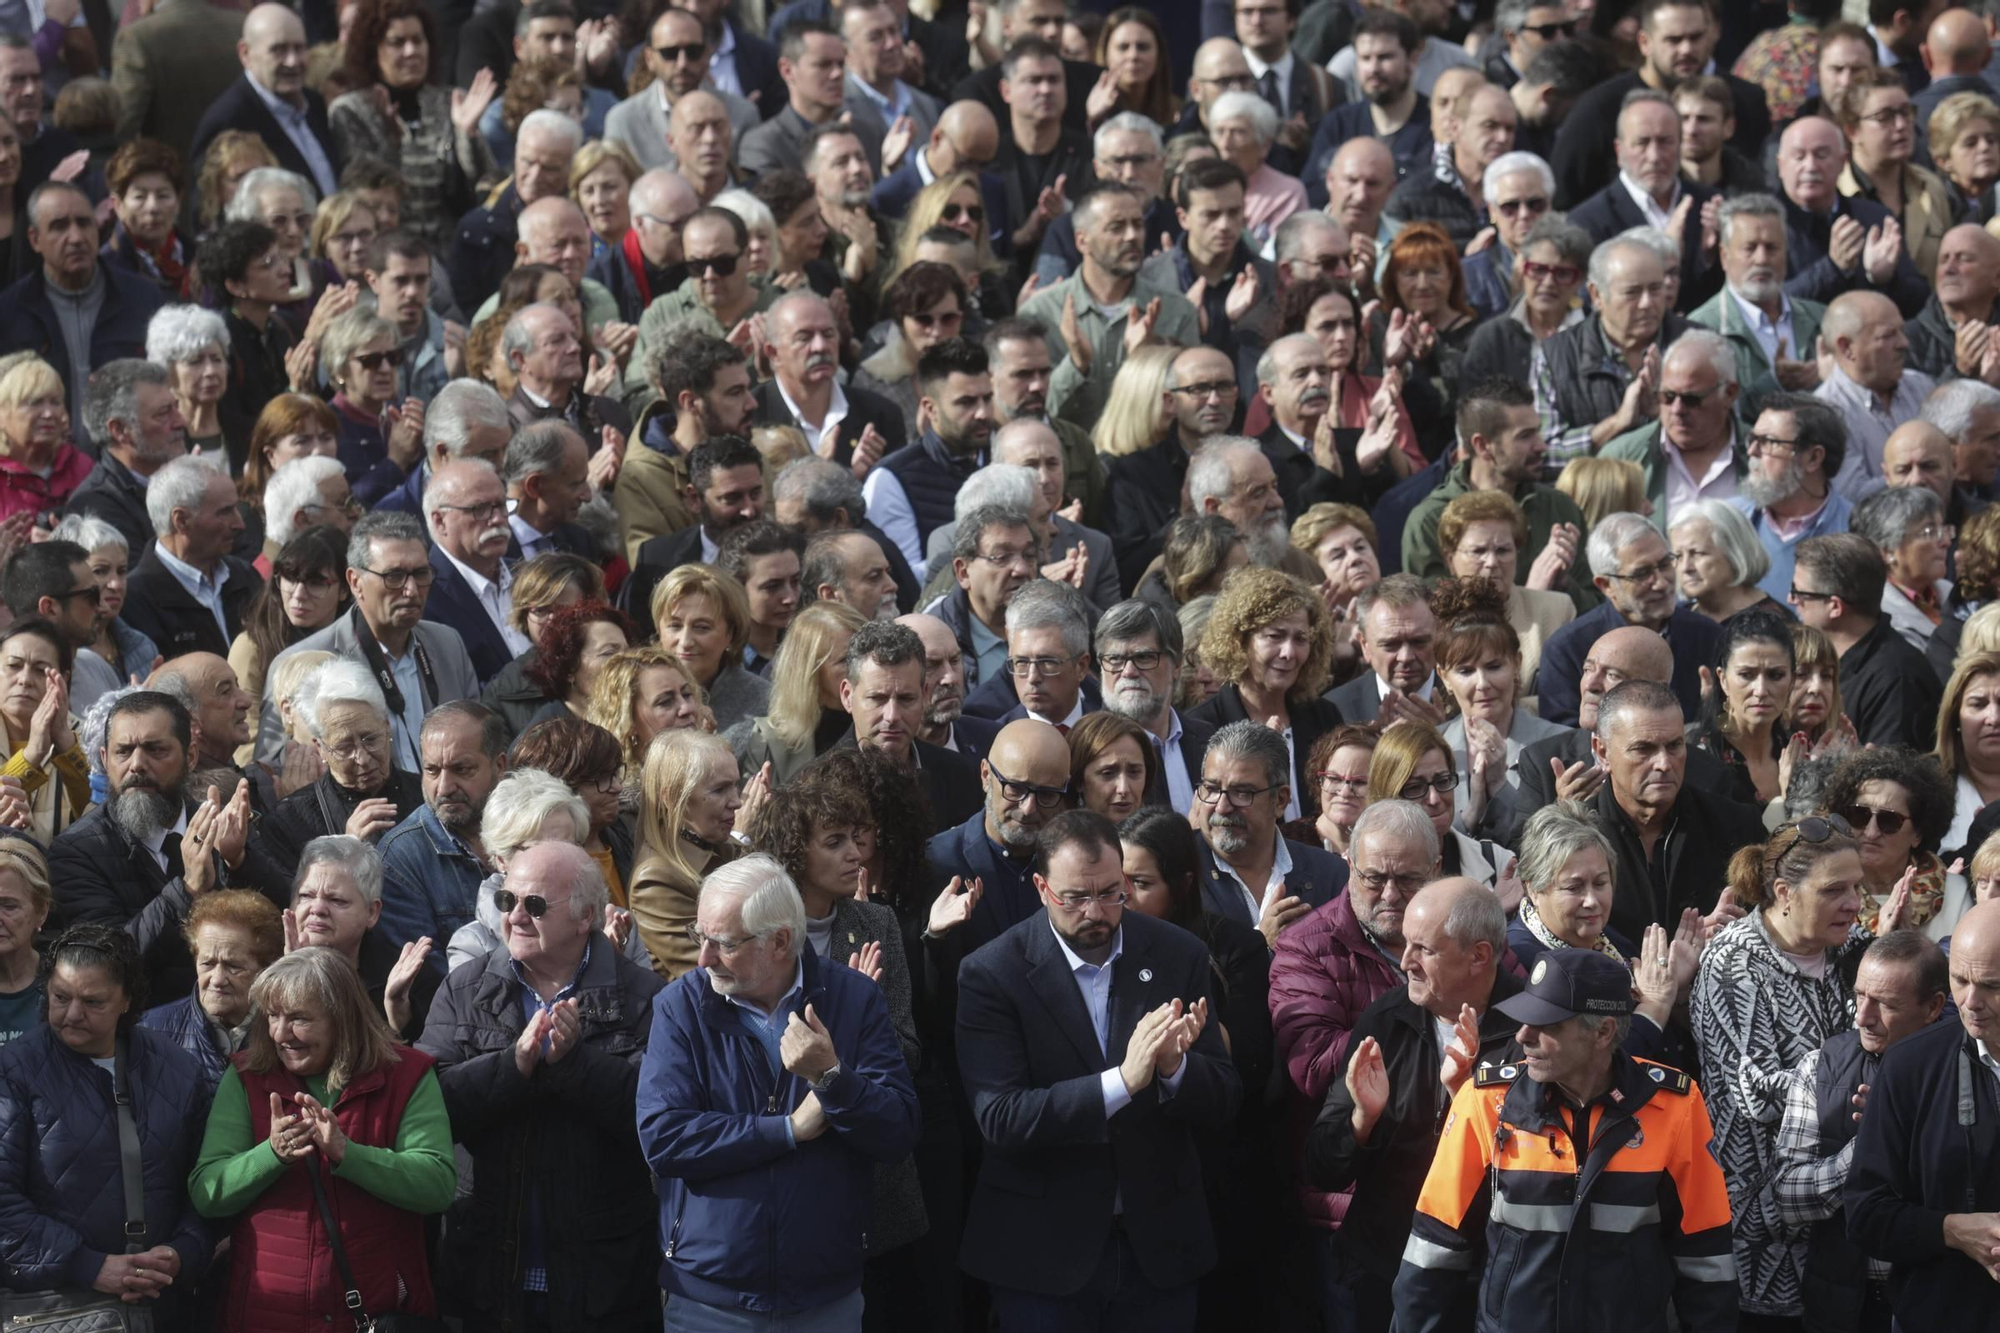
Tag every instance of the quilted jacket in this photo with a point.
(185, 1025)
(62, 1200)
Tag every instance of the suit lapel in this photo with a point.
(1055, 986)
(1132, 994)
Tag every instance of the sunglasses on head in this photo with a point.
(534, 904)
(377, 360)
(1814, 829)
(719, 265)
(1887, 822)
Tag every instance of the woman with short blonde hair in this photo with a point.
(1605, 486)
(702, 616)
(804, 717)
(1135, 411)
(39, 468)
(601, 176)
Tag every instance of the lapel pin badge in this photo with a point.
(1145, 974)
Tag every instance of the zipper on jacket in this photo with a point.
(673, 1238)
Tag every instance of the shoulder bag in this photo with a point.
(392, 1322)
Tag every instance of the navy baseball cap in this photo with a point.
(1571, 983)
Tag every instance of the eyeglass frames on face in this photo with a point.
(1217, 389)
(1509, 207)
(1080, 902)
(1354, 786)
(1414, 789)
(534, 904)
(1764, 444)
(1145, 660)
(1242, 796)
(1543, 272)
(1647, 573)
(690, 51)
(724, 946)
(1550, 32)
(376, 360)
(1799, 594)
(1029, 666)
(965, 212)
(1686, 397)
(396, 579)
(1377, 880)
(1016, 792)
(721, 266)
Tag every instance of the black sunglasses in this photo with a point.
(536, 905)
(1815, 829)
(1549, 32)
(970, 212)
(720, 265)
(1887, 821)
(377, 360)
(692, 50)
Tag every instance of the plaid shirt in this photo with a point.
(1568, 439)
(1808, 1182)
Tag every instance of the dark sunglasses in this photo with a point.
(1538, 204)
(95, 594)
(692, 50)
(1814, 829)
(970, 212)
(1549, 32)
(1887, 822)
(377, 360)
(536, 905)
(1677, 397)
(720, 265)
(1560, 272)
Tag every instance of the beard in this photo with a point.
(146, 811)
(1268, 543)
(1764, 492)
(944, 712)
(1758, 290)
(1135, 701)
(1228, 834)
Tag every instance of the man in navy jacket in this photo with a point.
(465, 508)
(772, 1086)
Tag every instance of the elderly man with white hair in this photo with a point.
(467, 419)
(483, 245)
(304, 493)
(1232, 477)
(1774, 333)
(555, 232)
(1244, 127)
(776, 1078)
(1694, 451)
(188, 594)
(550, 361)
(1517, 191)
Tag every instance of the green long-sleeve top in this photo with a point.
(418, 1174)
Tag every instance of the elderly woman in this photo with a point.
(62, 1209)
(1481, 535)
(285, 202)
(363, 794)
(342, 231)
(553, 975)
(689, 812)
(1479, 662)
(35, 662)
(1199, 552)
(1899, 805)
(1423, 328)
(24, 909)
(401, 113)
(542, 586)
(761, 247)
(1718, 561)
(234, 934)
(1413, 762)
(588, 758)
(601, 177)
(1112, 765)
(1339, 763)
(703, 618)
(305, 493)
(1880, 123)
(379, 441)
(324, 1117)
(1968, 742)
(243, 263)
(306, 589)
(129, 652)
(804, 717)
(39, 468)
(1964, 143)
(1244, 127)
(193, 344)
(1195, 684)
(1341, 539)
(1549, 269)
(1743, 718)
(1907, 525)
(640, 693)
(1770, 990)
(145, 178)
(926, 305)
(1270, 643)
(337, 904)
(576, 643)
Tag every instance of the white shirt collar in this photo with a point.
(1655, 215)
(477, 581)
(924, 172)
(1382, 687)
(1075, 713)
(1077, 964)
(533, 397)
(1281, 865)
(1754, 313)
(1283, 64)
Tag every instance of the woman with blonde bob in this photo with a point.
(640, 693)
(1965, 144)
(703, 618)
(1606, 486)
(805, 717)
(1413, 762)
(1270, 642)
(39, 468)
(601, 177)
(1968, 742)
(1135, 412)
(1481, 534)
(689, 815)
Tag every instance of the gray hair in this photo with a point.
(965, 542)
(1397, 590)
(1601, 257)
(1555, 833)
(553, 123)
(1263, 117)
(1712, 345)
(1748, 561)
(1634, 696)
(345, 334)
(1748, 206)
(494, 733)
(1885, 517)
(1950, 407)
(176, 686)
(1664, 247)
(1573, 244)
(459, 408)
(381, 525)
(771, 902)
(181, 484)
(341, 681)
(1403, 821)
(1001, 484)
(91, 533)
(537, 448)
(1128, 122)
(519, 336)
(294, 486)
(755, 213)
(112, 394)
(823, 487)
(178, 333)
(1134, 619)
(342, 851)
(1510, 16)
(1253, 740)
(1292, 234)
(1209, 474)
(1267, 364)
(244, 206)
(1807, 793)
(1613, 534)
(1476, 917)
(521, 804)
(1044, 604)
(1511, 164)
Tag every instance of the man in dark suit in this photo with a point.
(1300, 91)
(130, 411)
(171, 66)
(1649, 164)
(1397, 638)
(945, 724)
(1085, 1049)
(803, 344)
(465, 512)
(1025, 780)
(186, 592)
(965, 138)
(483, 246)
(884, 692)
(726, 475)
(271, 101)
(1297, 381)
(1048, 639)
(1809, 160)
(1139, 652)
(547, 471)
(547, 356)
(1043, 160)
(1043, 21)
(1251, 873)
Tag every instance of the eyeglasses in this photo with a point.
(348, 506)
(94, 593)
(1887, 822)
(1543, 272)
(376, 360)
(1895, 115)
(1414, 789)
(1145, 660)
(1007, 559)
(1329, 779)
(700, 939)
(1214, 389)
(720, 265)
(1242, 796)
(1509, 207)
(1763, 444)
(1647, 573)
(1932, 532)
(1549, 32)
(952, 320)
(1132, 160)
(967, 212)
(490, 509)
(1233, 83)
(375, 742)
(534, 904)
(395, 579)
(686, 50)
(1686, 397)
(1376, 880)
(1799, 594)
(1030, 666)
(1016, 792)
(1079, 902)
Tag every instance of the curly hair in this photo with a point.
(614, 696)
(817, 798)
(1479, 507)
(562, 644)
(901, 814)
(578, 752)
(240, 909)
(1979, 557)
(919, 287)
(1252, 598)
(1933, 797)
(528, 90)
(371, 27)
(1472, 622)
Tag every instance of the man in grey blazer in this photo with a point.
(418, 663)
(877, 97)
(812, 59)
(677, 52)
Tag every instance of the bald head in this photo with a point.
(221, 708)
(554, 231)
(1453, 932)
(1865, 331)
(272, 50)
(1218, 58)
(1026, 752)
(266, 22)
(1451, 86)
(663, 193)
(1919, 454)
(967, 137)
(1358, 182)
(1630, 652)
(1975, 971)
(1810, 155)
(1957, 44)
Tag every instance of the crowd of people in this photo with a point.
(937, 664)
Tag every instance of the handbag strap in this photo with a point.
(129, 1165)
(362, 1323)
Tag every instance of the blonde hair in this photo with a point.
(779, 445)
(1953, 117)
(540, 582)
(731, 602)
(25, 376)
(1812, 650)
(794, 708)
(1311, 528)
(1950, 751)
(334, 212)
(1602, 487)
(1397, 754)
(322, 978)
(1252, 598)
(927, 211)
(614, 695)
(594, 155)
(676, 763)
(1135, 411)
(24, 859)
(1982, 631)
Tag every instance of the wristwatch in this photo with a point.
(825, 1081)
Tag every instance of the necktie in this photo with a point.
(171, 849)
(1267, 84)
(1063, 727)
